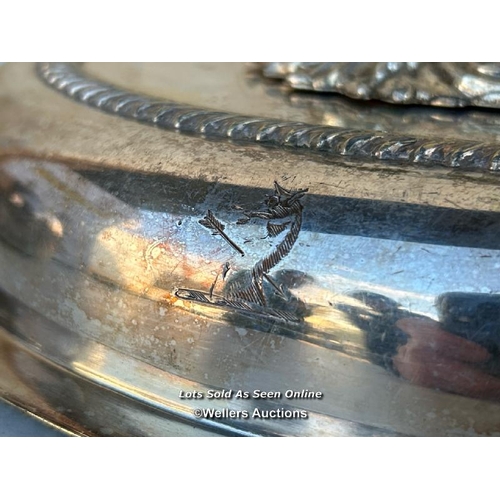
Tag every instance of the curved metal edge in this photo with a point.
(70, 80)
(49, 424)
(87, 394)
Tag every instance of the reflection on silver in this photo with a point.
(107, 311)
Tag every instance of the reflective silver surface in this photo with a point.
(138, 265)
(440, 84)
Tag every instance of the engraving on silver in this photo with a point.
(247, 295)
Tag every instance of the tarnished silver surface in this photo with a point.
(136, 263)
(435, 84)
